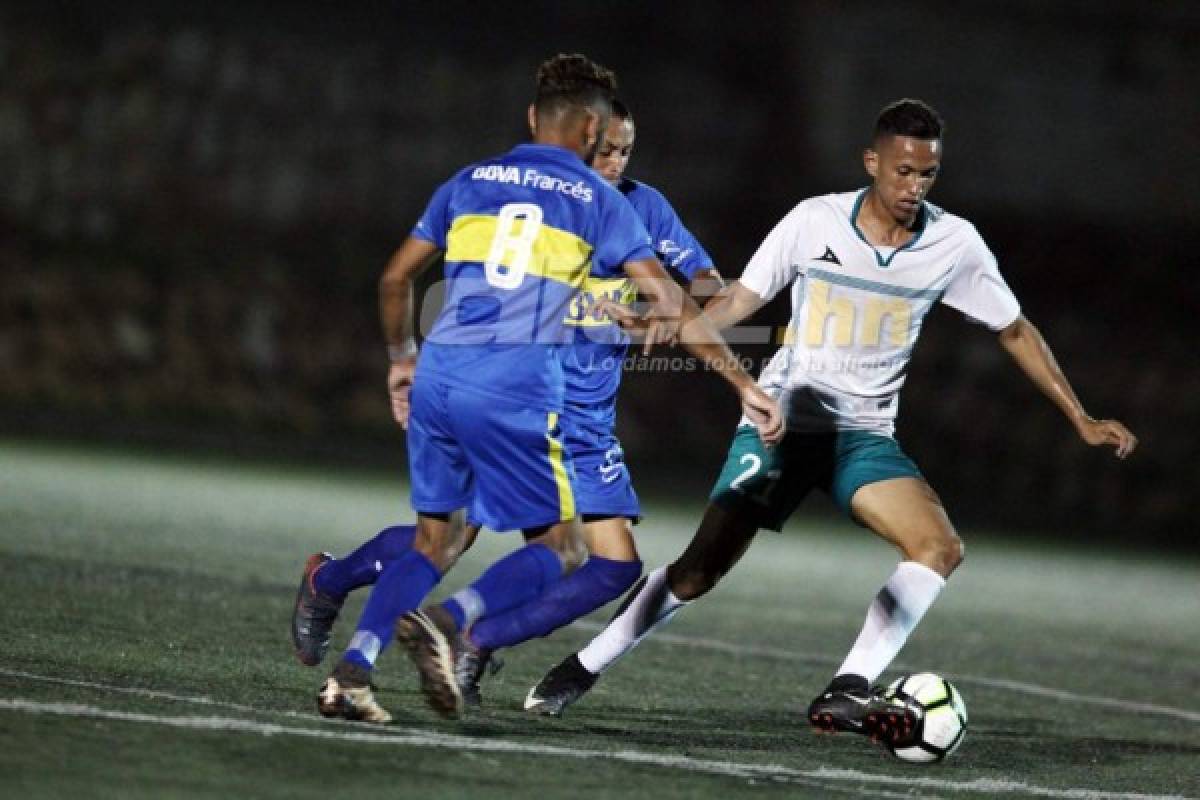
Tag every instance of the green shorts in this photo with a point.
(771, 483)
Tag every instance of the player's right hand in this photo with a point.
(1107, 431)
(765, 412)
(399, 382)
(649, 328)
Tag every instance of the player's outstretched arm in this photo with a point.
(706, 284)
(728, 307)
(1025, 344)
(675, 310)
(732, 305)
(704, 288)
(396, 313)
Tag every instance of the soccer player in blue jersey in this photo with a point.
(605, 498)
(520, 233)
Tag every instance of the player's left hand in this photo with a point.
(1098, 432)
(400, 378)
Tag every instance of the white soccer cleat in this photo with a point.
(350, 702)
(428, 636)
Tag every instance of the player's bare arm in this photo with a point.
(673, 307)
(1025, 344)
(396, 313)
(663, 319)
(732, 305)
(728, 307)
(705, 285)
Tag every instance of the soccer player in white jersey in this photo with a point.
(864, 268)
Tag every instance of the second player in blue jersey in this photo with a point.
(592, 366)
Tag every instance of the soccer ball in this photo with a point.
(942, 724)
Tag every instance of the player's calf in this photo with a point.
(719, 542)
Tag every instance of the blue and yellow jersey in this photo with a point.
(522, 233)
(593, 365)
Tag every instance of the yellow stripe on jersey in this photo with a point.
(552, 253)
(566, 498)
(582, 314)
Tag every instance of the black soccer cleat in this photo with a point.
(561, 687)
(866, 712)
(893, 722)
(470, 665)
(428, 635)
(313, 615)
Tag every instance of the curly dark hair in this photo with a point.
(909, 117)
(573, 80)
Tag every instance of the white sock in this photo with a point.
(893, 614)
(652, 606)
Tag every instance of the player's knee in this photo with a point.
(573, 554)
(567, 545)
(941, 552)
(441, 539)
(689, 582)
(958, 554)
(442, 551)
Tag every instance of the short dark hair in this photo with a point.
(909, 117)
(573, 80)
(620, 110)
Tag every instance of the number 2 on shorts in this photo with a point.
(756, 464)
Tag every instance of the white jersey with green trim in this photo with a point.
(857, 309)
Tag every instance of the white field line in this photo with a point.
(980, 680)
(823, 777)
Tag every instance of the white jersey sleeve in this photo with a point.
(776, 261)
(977, 288)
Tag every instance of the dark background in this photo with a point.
(196, 203)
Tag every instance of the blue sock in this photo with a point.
(589, 587)
(512, 581)
(339, 577)
(401, 587)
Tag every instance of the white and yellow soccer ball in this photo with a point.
(943, 723)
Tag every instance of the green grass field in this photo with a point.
(145, 653)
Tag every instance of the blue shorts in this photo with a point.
(768, 484)
(499, 458)
(603, 487)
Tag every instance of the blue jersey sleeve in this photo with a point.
(672, 241)
(435, 222)
(622, 237)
